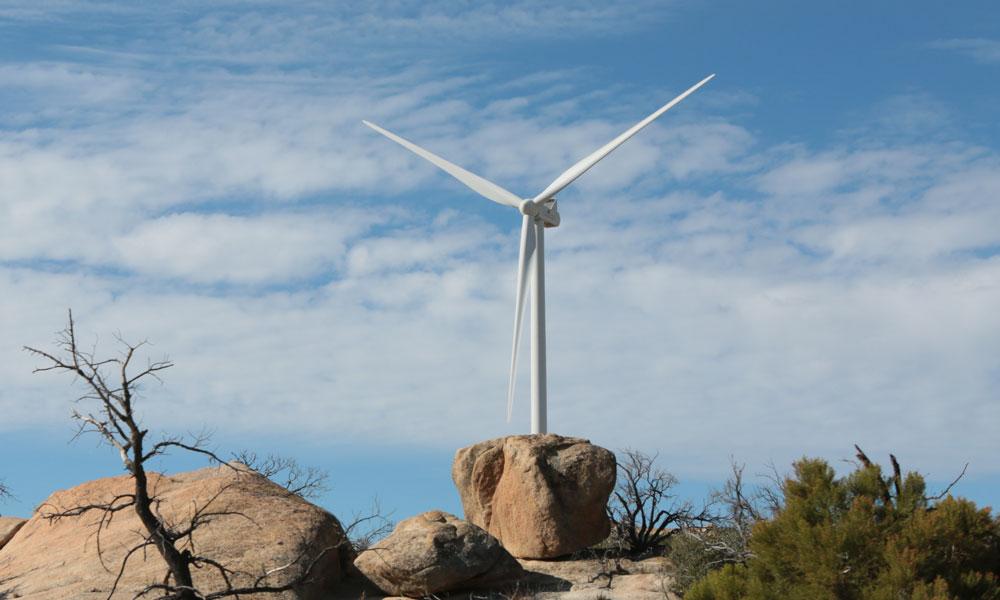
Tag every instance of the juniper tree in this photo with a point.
(866, 536)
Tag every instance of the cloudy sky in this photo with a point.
(801, 256)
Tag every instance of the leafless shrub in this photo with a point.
(739, 509)
(609, 565)
(366, 528)
(725, 538)
(306, 482)
(644, 510)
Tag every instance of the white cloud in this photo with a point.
(251, 227)
(269, 249)
(421, 248)
(318, 34)
(42, 92)
(981, 50)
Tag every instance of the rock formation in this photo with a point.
(541, 495)
(58, 559)
(8, 527)
(434, 552)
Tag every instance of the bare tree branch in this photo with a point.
(307, 482)
(116, 423)
(863, 457)
(644, 511)
(5, 493)
(737, 508)
(367, 528)
(950, 485)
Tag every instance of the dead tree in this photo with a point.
(644, 511)
(111, 388)
(737, 509)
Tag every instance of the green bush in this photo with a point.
(867, 537)
(728, 583)
(692, 558)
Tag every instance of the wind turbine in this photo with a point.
(538, 213)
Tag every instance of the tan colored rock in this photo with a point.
(541, 495)
(8, 527)
(588, 579)
(435, 552)
(55, 560)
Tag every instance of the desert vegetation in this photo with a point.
(644, 509)
(732, 513)
(870, 535)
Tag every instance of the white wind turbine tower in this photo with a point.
(539, 212)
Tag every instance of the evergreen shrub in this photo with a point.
(866, 536)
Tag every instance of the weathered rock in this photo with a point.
(8, 527)
(434, 552)
(587, 579)
(58, 559)
(541, 495)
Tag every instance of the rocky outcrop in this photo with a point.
(435, 552)
(258, 526)
(8, 527)
(541, 495)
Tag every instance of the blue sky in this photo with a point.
(801, 256)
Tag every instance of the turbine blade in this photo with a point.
(524, 261)
(581, 167)
(481, 186)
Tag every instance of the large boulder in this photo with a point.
(8, 527)
(435, 552)
(257, 526)
(541, 495)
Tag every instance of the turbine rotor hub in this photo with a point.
(544, 211)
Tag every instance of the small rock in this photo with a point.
(435, 552)
(541, 495)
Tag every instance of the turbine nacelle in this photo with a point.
(544, 211)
